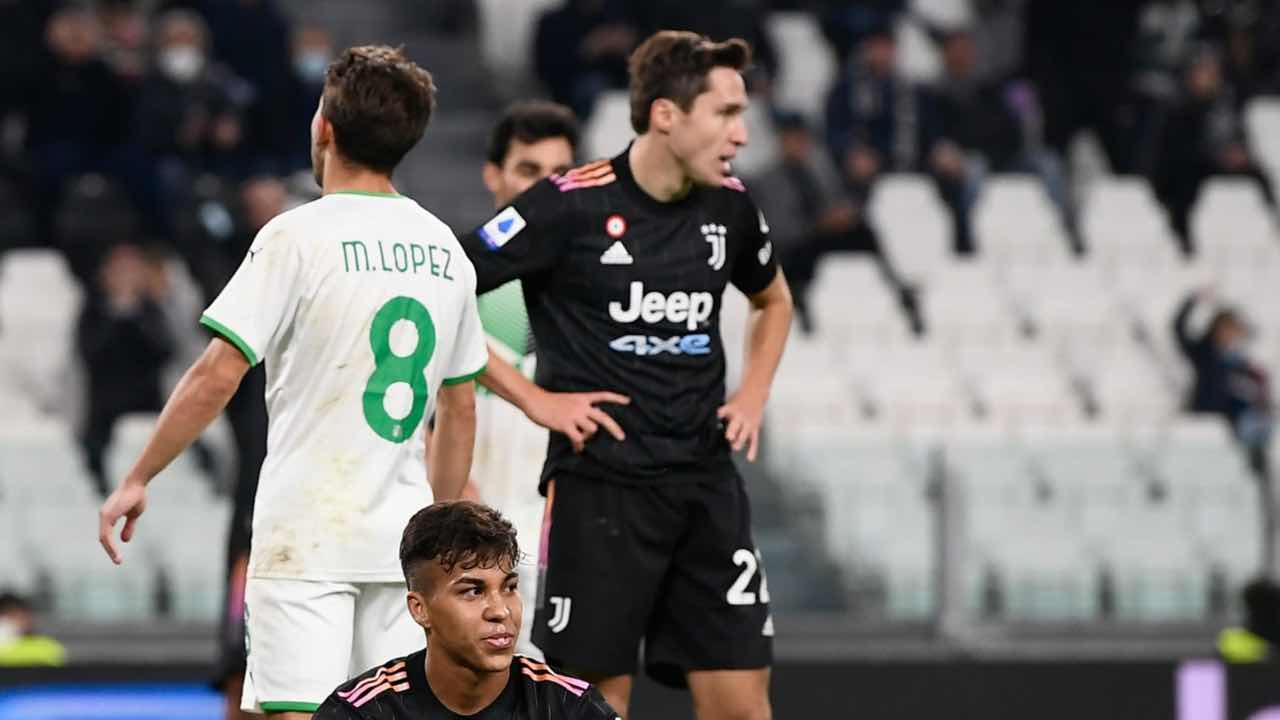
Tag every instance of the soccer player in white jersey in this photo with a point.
(532, 140)
(362, 304)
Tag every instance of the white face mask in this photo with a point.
(311, 65)
(182, 64)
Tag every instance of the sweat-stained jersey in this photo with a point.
(623, 293)
(362, 306)
(399, 690)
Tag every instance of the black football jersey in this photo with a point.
(399, 690)
(623, 293)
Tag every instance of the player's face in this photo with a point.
(473, 615)
(526, 164)
(706, 139)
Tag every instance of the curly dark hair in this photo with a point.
(530, 121)
(457, 534)
(673, 64)
(379, 103)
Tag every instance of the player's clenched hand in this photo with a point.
(742, 415)
(576, 415)
(128, 501)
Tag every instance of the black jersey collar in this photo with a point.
(501, 709)
(627, 179)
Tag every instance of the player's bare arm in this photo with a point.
(767, 328)
(203, 392)
(575, 415)
(454, 440)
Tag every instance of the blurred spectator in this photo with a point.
(76, 111)
(312, 52)
(1202, 135)
(846, 24)
(94, 215)
(1227, 382)
(1249, 33)
(581, 50)
(718, 20)
(1080, 57)
(127, 31)
(878, 121)
(809, 214)
(20, 646)
(982, 127)
(191, 112)
(124, 339)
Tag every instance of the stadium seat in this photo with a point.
(965, 303)
(1231, 223)
(36, 338)
(1124, 225)
(806, 66)
(1022, 385)
(913, 224)
(507, 32)
(879, 520)
(761, 150)
(1020, 557)
(609, 129)
(1262, 121)
(851, 303)
(907, 384)
(1016, 223)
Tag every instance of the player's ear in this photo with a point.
(492, 178)
(418, 610)
(662, 115)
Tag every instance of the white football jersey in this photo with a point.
(362, 306)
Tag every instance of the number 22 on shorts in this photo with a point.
(750, 562)
(390, 368)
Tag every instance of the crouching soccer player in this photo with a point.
(459, 560)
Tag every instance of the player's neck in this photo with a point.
(657, 171)
(341, 176)
(462, 690)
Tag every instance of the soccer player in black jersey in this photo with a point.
(459, 560)
(623, 263)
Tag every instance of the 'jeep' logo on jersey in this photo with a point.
(692, 309)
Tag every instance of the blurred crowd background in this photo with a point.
(996, 214)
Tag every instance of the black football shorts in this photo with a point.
(671, 565)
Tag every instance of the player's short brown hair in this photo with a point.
(457, 534)
(673, 64)
(379, 103)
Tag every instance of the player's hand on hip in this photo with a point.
(577, 416)
(741, 416)
(128, 501)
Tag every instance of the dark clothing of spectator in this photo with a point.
(1200, 138)
(581, 50)
(1079, 55)
(978, 119)
(124, 352)
(718, 20)
(180, 120)
(1229, 384)
(846, 24)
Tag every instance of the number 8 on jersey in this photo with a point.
(391, 368)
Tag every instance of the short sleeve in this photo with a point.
(470, 355)
(335, 709)
(755, 267)
(593, 706)
(524, 237)
(261, 296)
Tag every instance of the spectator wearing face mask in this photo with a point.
(1227, 382)
(312, 52)
(191, 111)
(20, 645)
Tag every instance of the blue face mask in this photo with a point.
(311, 65)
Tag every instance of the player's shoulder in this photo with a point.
(390, 677)
(595, 174)
(571, 698)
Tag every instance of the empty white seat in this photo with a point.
(913, 224)
(1262, 120)
(609, 129)
(851, 302)
(1016, 223)
(507, 32)
(806, 67)
(41, 461)
(39, 304)
(1231, 222)
(1123, 224)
